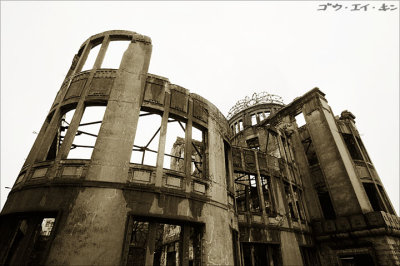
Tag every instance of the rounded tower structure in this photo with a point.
(127, 169)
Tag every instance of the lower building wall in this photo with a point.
(92, 225)
(378, 250)
(290, 249)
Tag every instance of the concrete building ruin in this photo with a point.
(167, 179)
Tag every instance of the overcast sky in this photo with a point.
(222, 51)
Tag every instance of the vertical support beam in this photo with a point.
(113, 148)
(270, 257)
(197, 247)
(345, 188)
(151, 239)
(309, 195)
(188, 147)
(76, 119)
(259, 190)
(184, 247)
(163, 138)
(247, 195)
(253, 260)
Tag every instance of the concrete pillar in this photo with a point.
(347, 194)
(97, 214)
(113, 148)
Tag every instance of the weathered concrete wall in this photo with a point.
(290, 249)
(344, 186)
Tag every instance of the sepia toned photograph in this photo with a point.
(188, 133)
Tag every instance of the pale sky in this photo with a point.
(222, 51)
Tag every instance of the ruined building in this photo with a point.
(130, 169)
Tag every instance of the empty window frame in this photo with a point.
(259, 254)
(286, 149)
(153, 242)
(60, 134)
(261, 116)
(114, 53)
(272, 145)
(326, 205)
(364, 151)
(253, 118)
(309, 256)
(247, 198)
(373, 196)
(289, 199)
(199, 137)
(241, 125)
(386, 200)
(310, 151)
(300, 121)
(145, 147)
(268, 195)
(174, 157)
(352, 147)
(86, 135)
(26, 239)
(91, 58)
(253, 143)
(298, 197)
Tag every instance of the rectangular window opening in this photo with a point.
(309, 256)
(198, 152)
(386, 200)
(28, 238)
(364, 151)
(114, 54)
(253, 119)
(289, 199)
(273, 146)
(268, 195)
(326, 205)
(171, 243)
(145, 147)
(300, 120)
(91, 59)
(253, 143)
(351, 145)
(257, 254)
(86, 135)
(60, 134)
(175, 145)
(246, 193)
(298, 195)
(373, 196)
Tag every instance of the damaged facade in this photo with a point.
(159, 176)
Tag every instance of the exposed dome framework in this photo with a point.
(255, 99)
